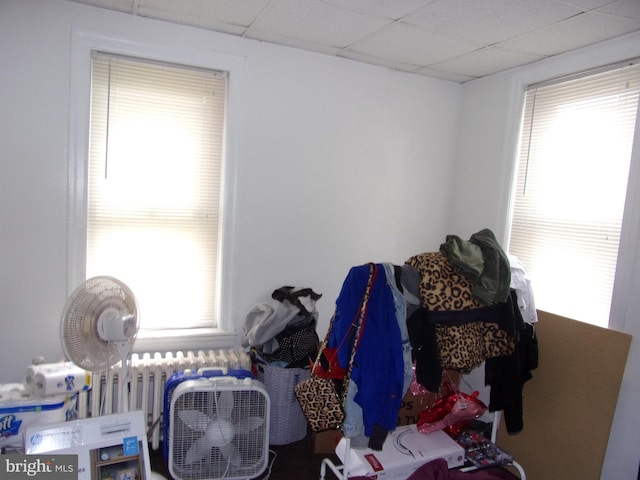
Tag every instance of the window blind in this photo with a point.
(155, 171)
(570, 187)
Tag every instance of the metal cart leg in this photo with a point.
(340, 471)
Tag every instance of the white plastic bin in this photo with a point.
(287, 422)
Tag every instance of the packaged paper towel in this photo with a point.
(20, 409)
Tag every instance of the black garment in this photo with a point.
(506, 376)
(377, 438)
(500, 313)
(293, 294)
(297, 345)
(422, 334)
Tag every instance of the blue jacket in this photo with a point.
(379, 365)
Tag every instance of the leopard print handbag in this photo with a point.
(320, 403)
(322, 399)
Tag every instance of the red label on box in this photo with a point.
(374, 462)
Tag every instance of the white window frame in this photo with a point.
(82, 45)
(626, 223)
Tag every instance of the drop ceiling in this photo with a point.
(456, 40)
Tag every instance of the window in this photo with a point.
(570, 188)
(153, 214)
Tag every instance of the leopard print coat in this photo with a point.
(444, 288)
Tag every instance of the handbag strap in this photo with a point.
(362, 320)
(358, 323)
(324, 343)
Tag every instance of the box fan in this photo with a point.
(218, 429)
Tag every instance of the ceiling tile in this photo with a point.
(390, 9)
(623, 8)
(573, 33)
(586, 5)
(292, 42)
(118, 5)
(316, 22)
(435, 73)
(488, 21)
(376, 60)
(408, 35)
(232, 15)
(410, 45)
(486, 60)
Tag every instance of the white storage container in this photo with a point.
(288, 423)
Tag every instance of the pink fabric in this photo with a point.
(434, 470)
(437, 470)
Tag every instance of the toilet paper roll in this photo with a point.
(56, 378)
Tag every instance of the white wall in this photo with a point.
(339, 163)
(491, 110)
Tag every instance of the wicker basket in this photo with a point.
(287, 422)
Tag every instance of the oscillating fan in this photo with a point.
(218, 429)
(99, 326)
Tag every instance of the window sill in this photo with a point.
(184, 340)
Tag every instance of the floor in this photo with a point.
(297, 461)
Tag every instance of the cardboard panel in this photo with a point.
(570, 402)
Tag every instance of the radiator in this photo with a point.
(149, 374)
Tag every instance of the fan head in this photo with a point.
(218, 428)
(99, 322)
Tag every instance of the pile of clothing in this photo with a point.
(477, 305)
(383, 368)
(466, 304)
(282, 331)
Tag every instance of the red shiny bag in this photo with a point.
(328, 366)
(451, 409)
